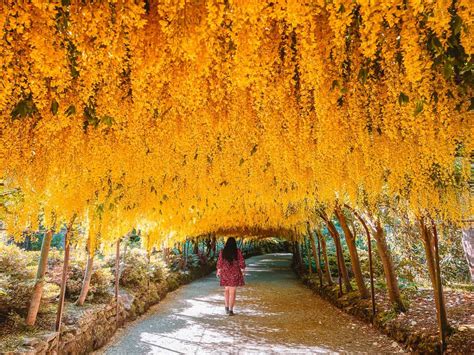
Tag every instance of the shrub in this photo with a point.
(138, 271)
(17, 276)
(100, 285)
(16, 280)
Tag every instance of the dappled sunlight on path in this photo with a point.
(275, 313)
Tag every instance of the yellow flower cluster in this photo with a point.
(181, 118)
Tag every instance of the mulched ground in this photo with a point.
(417, 328)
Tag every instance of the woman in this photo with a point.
(230, 268)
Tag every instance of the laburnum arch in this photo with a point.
(183, 118)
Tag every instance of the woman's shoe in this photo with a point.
(227, 310)
(231, 313)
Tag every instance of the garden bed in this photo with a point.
(416, 329)
(89, 327)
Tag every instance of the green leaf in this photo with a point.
(254, 149)
(108, 120)
(363, 72)
(25, 107)
(71, 110)
(418, 107)
(54, 107)
(403, 99)
(457, 25)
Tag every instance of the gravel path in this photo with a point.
(275, 313)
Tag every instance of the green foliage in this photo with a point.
(17, 276)
(24, 108)
(138, 271)
(36, 239)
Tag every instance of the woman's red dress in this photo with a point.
(230, 272)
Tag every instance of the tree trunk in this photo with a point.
(308, 256)
(340, 255)
(185, 254)
(208, 246)
(196, 246)
(59, 313)
(350, 239)
(39, 282)
(87, 280)
(297, 253)
(126, 239)
(327, 270)
(430, 242)
(315, 254)
(371, 271)
(389, 270)
(214, 245)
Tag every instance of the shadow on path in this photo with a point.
(275, 313)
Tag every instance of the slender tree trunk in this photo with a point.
(340, 255)
(208, 246)
(214, 245)
(126, 239)
(389, 270)
(315, 254)
(39, 282)
(430, 242)
(185, 254)
(87, 279)
(59, 313)
(308, 256)
(117, 280)
(327, 270)
(196, 246)
(297, 254)
(350, 239)
(371, 271)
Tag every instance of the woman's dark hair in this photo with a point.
(230, 250)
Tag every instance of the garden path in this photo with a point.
(275, 313)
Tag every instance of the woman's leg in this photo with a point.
(232, 292)
(226, 296)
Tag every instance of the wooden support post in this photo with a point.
(430, 241)
(117, 277)
(319, 262)
(62, 293)
(442, 317)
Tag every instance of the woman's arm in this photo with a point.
(241, 260)
(219, 264)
